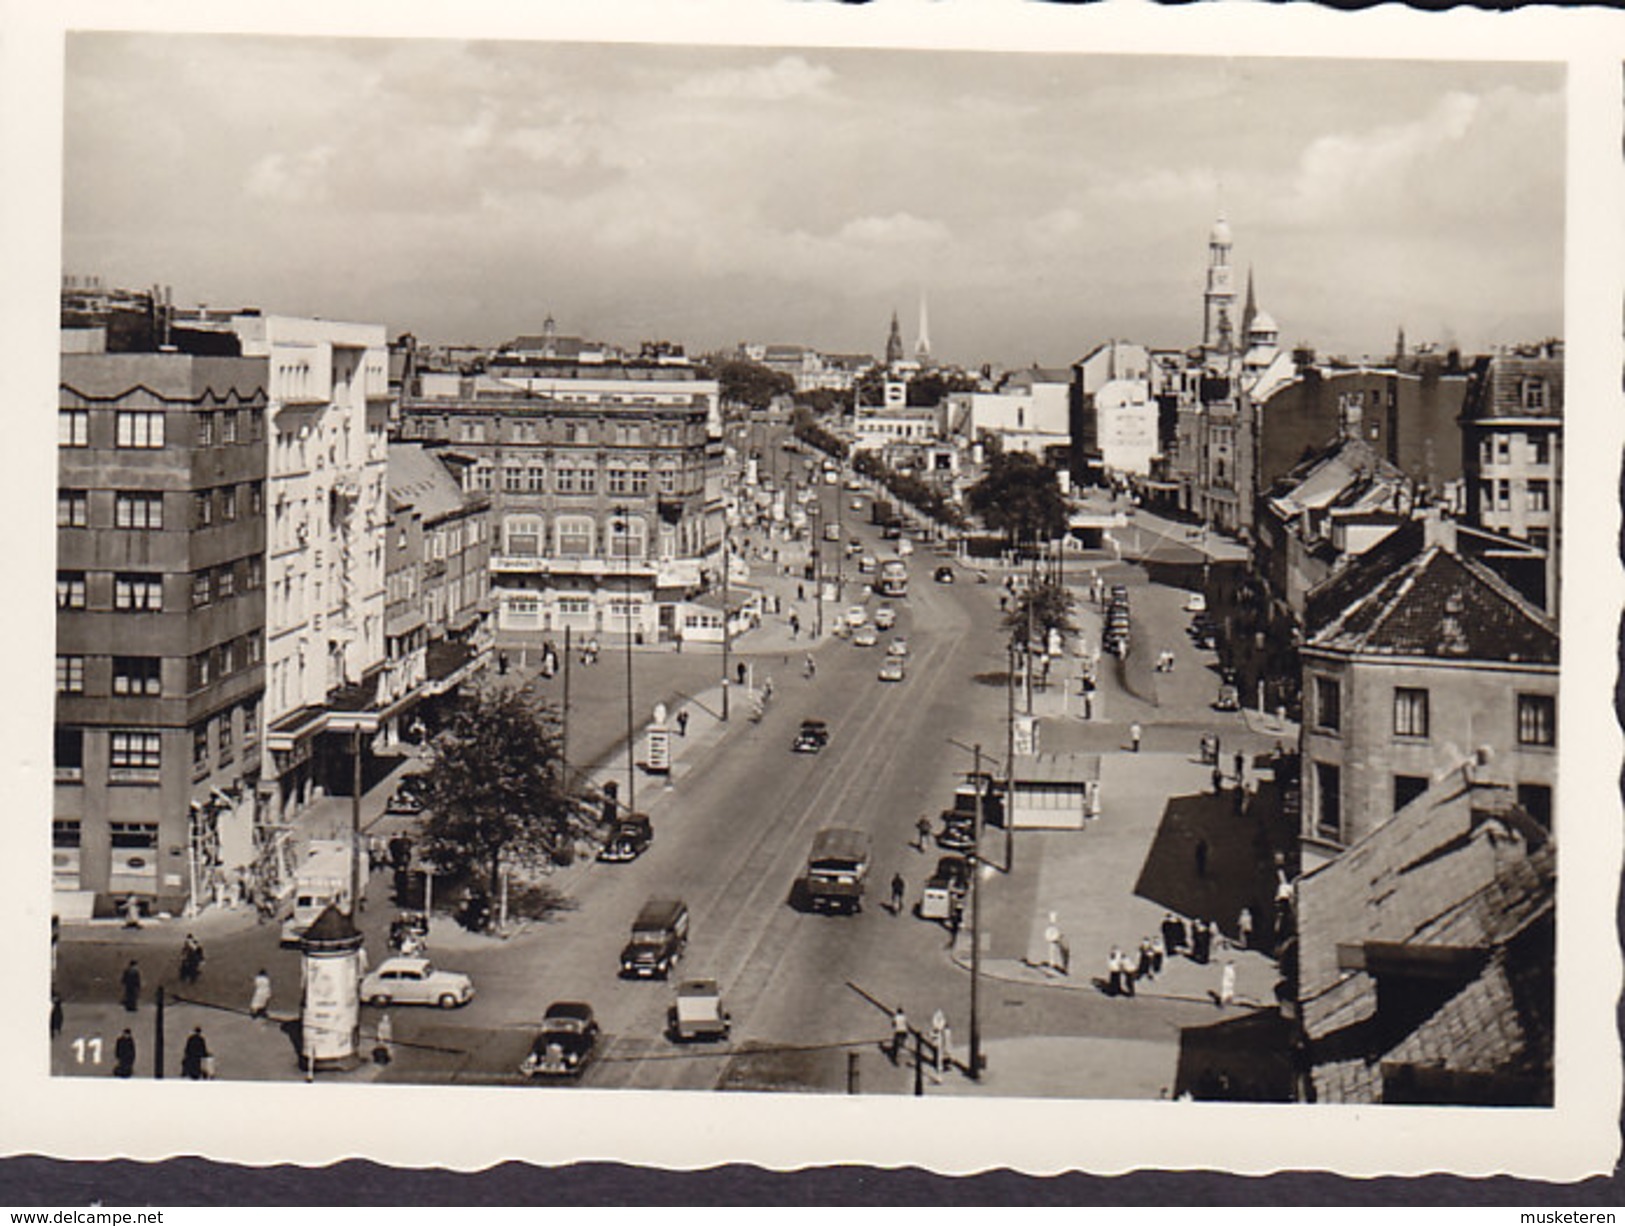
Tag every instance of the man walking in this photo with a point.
(682, 723)
(124, 1055)
(939, 1039)
(922, 832)
(260, 1002)
(1134, 731)
(131, 983)
(194, 1054)
(899, 1033)
(897, 892)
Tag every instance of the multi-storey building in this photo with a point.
(326, 519)
(160, 676)
(1418, 659)
(1511, 449)
(605, 481)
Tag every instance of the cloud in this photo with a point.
(788, 77)
(291, 178)
(1335, 167)
(899, 229)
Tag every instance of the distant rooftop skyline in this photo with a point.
(1042, 204)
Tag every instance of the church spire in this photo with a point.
(1250, 311)
(922, 350)
(894, 343)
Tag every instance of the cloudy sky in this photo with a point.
(1041, 203)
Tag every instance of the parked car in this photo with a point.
(891, 669)
(698, 1013)
(415, 981)
(812, 737)
(1195, 602)
(832, 532)
(943, 574)
(958, 831)
(865, 636)
(403, 801)
(885, 617)
(567, 1042)
(629, 840)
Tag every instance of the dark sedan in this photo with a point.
(566, 1044)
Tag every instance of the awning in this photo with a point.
(404, 624)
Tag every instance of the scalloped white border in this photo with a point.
(317, 1125)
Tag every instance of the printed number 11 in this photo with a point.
(94, 1046)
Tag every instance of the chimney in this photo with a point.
(1438, 530)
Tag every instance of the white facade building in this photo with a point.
(1126, 419)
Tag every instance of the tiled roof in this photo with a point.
(1405, 597)
(419, 479)
(1496, 385)
(1429, 879)
(1348, 469)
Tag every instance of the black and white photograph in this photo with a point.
(848, 573)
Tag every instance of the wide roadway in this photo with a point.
(732, 841)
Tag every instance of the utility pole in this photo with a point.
(727, 637)
(564, 709)
(355, 823)
(818, 577)
(631, 743)
(976, 925)
(1010, 764)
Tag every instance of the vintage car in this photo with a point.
(1195, 602)
(945, 890)
(891, 669)
(415, 981)
(812, 736)
(943, 574)
(885, 617)
(898, 647)
(865, 636)
(856, 616)
(404, 802)
(659, 936)
(698, 1012)
(566, 1044)
(958, 833)
(629, 840)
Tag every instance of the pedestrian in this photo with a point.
(124, 1055)
(383, 1050)
(131, 982)
(1173, 932)
(502, 664)
(801, 591)
(132, 912)
(1134, 731)
(1114, 972)
(1227, 983)
(811, 667)
(1241, 768)
(1144, 969)
(741, 672)
(939, 1043)
(1201, 857)
(1218, 779)
(899, 1032)
(193, 1055)
(261, 1000)
(56, 1014)
(1159, 951)
(922, 832)
(897, 892)
(191, 959)
(1244, 928)
(682, 723)
(1201, 942)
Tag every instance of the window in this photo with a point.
(627, 538)
(1328, 704)
(73, 427)
(228, 426)
(253, 573)
(574, 606)
(205, 429)
(223, 736)
(1503, 449)
(1540, 495)
(628, 434)
(616, 482)
(1503, 494)
(253, 650)
(68, 755)
(70, 674)
(138, 593)
(134, 751)
(640, 480)
(564, 479)
(72, 509)
(65, 832)
(138, 429)
(513, 479)
(575, 536)
(1407, 788)
(137, 675)
(1536, 799)
(251, 719)
(134, 509)
(256, 498)
(256, 425)
(202, 590)
(575, 432)
(1410, 712)
(587, 480)
(1537, 719)
(535, 479)
(199, 670)
(228, 504)
(202, 508)
(1329, 812)
(524, 535)
(200, 746)
(225, 582)
(482, 475)
(470, 432)
(1540, 448)
(70, 589)
(1534, 394)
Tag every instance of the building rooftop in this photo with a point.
(1422, 954)
(1349, 474)
(420, 479)
(1500, 386)
(1412, 594)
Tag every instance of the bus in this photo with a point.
(893, 579)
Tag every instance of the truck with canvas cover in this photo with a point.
(321, 880)
(837, 869)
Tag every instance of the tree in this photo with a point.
(1051, 608)
(495, 794)
(750, 383)
(1020, 497)
(930, 389)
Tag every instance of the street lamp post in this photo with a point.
(624, 528)
(727, 637)
(976, 925)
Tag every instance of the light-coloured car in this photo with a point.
(885, 617)
(898, 647)
(891, 669)
(867, 564)
(865, 636)
(1196, 603)
(856, 616)
(415, 981)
